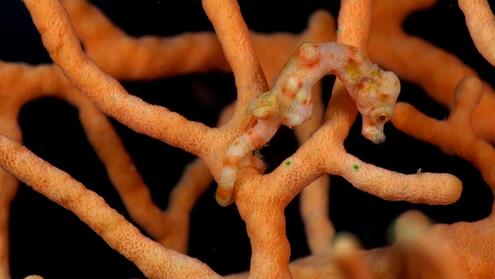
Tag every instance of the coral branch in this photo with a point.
(30, 82)
(438, 79)
(8, 189)
(147, 57)
(271, 251)
(194, 181)
(429, 188)
(157, 122)
(154, 57)
(454, 135)
(315, 197)
(303, 168)
(155, 222)
(314, 212)
(122, 171)
(234, 36)
(250, 82)
(225, 153)
(481, 24)
(151, 258)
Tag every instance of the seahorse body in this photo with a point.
(373, 90)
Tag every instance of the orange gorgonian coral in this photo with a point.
(94, 65)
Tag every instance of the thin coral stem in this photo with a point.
(315, 197)
(429, 188)
(30, 82)
(443, 77)
(266, 230)
(157, 122)
(8, 183)
(354, 22)
(391, 47)
(408, 119)
(481, 24)
(154, 57)
(121, 170)
(192, 184)
(145, 57)
(150, 257)
(314, 210)
(8, 189)
(456, 134)
(234, 36)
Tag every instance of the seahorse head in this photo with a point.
(375, 96)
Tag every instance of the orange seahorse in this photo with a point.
(373, 90)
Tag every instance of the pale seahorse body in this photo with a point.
(373, 90)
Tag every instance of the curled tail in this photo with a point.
(254, 138)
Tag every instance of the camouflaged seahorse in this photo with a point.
(373, 90)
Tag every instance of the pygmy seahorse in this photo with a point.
(373, 90)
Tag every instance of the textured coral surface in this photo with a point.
(143, 159)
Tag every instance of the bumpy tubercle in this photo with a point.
(373, 90)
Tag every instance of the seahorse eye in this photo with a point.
(381, 118)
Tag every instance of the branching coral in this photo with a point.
(481, 24)
(87, 78)
(32, 82)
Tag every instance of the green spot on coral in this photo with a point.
(355, 167)
(288, 162)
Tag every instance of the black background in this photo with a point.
(50, 241)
